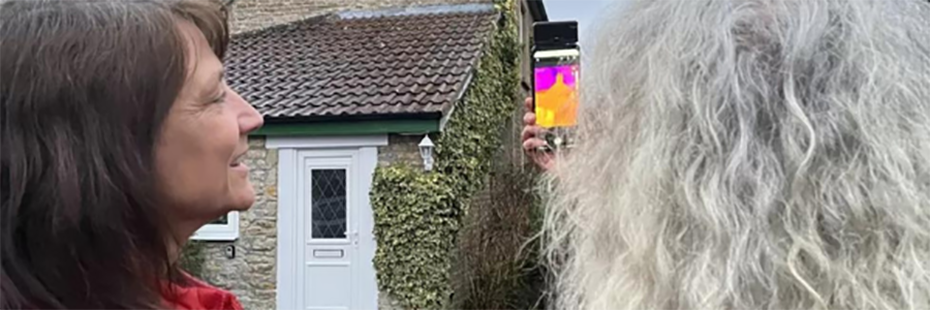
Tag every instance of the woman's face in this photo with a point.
(203, 143)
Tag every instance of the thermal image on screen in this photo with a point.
(556, 95)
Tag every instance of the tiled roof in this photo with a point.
(368, 65)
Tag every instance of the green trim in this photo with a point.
(349, 128)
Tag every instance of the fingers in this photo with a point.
(529, 119)
(531, 145)
(532, 131)
(544, 160)
(531, 138)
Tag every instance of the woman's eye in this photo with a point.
(220, 98)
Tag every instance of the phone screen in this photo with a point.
(556, 80)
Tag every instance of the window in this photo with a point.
(225, 228)
(328, 196)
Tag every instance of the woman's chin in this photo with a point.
(242, 195)
(244, 203)
(243, 198)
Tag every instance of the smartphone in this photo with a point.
(556, 76)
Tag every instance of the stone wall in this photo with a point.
(403, 149)
(251, 274)
(512, 140)
(256, 14)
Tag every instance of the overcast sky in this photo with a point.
(583, 11)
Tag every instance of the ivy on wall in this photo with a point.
(417, 214)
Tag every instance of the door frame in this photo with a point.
(290, 239)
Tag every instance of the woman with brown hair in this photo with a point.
(120, 139)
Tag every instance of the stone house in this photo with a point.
(344, 88)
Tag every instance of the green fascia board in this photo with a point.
(349, 128)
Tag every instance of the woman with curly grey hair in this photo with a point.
(747, 154)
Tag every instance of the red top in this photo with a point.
(201, 296)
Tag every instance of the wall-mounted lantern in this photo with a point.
(426, 152)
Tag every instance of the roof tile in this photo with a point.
(378, 65)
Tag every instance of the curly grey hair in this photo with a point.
(749, 154)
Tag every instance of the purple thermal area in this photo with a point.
(546, 77)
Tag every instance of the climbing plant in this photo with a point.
(418, 214)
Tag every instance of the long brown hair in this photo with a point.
(84, 88)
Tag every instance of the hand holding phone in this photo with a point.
(533, 138)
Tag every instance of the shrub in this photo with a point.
(497, 266)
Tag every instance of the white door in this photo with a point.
(329, 234)
(333, 228)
